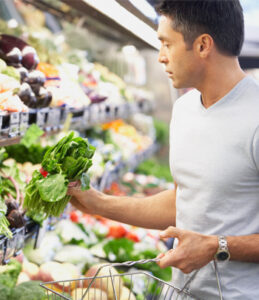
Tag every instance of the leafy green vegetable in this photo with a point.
(154, 167)
(123, 249)
(32, 135)
(29, 149)
(162, 132)
(29, 290)
(4, 291)
(68, 160)
(9, 273)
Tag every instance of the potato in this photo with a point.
(31, 270)
(104, 283)
(53, 271)
(23, 277)
(92, 294)
(126, 294)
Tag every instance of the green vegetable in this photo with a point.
(29, 290)
(2, 67)
(9, 273)
(4, 292)
(162, 132)
(154, 167)
(29, 149)
(67, 161)
(32, 135)
(11, 72)
(124, 250)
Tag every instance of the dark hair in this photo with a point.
(223, 20)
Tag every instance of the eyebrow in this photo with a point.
(163, 38)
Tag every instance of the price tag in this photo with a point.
(10, 249)
(40, 118)
(86, 117)
(14, 130)
(14, 117)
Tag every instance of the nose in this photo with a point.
(162, 57)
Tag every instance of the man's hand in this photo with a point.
(193, 251)
(86, 201)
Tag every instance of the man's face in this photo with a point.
(181, 64)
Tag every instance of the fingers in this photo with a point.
(74, 188)
(166, 259)
(170, 232)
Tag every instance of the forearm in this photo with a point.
(244, 248)
(156, 212)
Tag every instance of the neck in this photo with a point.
(219, 78)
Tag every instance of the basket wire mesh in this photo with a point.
(111, 286)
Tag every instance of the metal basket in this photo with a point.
(95, 288)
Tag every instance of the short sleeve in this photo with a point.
(256, 148)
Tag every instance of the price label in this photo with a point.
(14, 130)
(86, 117)
(14, 117)
(40, 118)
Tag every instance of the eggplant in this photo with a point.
(27, 96)
(30, 58)
(10, 48)
(36, 77)
(23, 73)
(16, 218)
(44, 98)
(11, 205)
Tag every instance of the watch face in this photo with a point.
(221, 256)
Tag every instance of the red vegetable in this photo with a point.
(74, 217)
(117, 231)
(43, 172)
(132, 236)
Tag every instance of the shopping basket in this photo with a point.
(95, 288)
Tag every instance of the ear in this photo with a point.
(204, 45)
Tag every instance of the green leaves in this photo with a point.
(123, 250)
(52, 188)
(67, 161)
(32, 135)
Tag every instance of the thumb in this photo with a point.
(170, 232)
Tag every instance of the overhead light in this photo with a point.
(129, 50)
(124, 18)
(145, 8)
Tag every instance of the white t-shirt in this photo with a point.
(214, 159)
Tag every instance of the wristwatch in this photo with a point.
(222, 253)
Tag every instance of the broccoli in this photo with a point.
(29, 290)
(4, 292)
(9, 273)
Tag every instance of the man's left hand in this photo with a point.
(194, 250)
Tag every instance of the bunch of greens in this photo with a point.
(154, 167)
(65, 162)
(29, 149)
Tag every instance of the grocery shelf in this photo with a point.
(12, 247)
(52, 119)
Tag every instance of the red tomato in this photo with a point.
(43, 172)
(74, 217)
(117, 231)
(132, 236)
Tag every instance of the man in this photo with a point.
(214, 155)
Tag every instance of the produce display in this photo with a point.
(35, 73)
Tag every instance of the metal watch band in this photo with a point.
(223, 244)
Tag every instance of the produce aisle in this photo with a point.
(64, 118)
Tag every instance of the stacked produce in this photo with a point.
(23, 59)
(11, 198)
